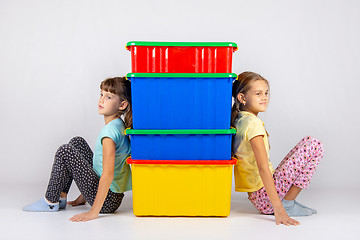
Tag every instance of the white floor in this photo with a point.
(338, 218)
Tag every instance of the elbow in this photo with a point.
(108, 175)
(263, 169)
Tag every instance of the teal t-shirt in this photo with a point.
(122, 171)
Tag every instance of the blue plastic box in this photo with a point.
(181, 100)
(203, 144)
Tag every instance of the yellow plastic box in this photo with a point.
(181, 187)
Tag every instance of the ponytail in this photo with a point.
(127, 96)
(235, 110)
(128, 117)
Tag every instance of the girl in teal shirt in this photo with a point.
(102, 177)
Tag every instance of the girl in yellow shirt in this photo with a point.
(271, 191)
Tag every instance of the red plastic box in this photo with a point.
(181, 57)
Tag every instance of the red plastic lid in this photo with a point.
(233, 161)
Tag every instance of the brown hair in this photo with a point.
(241, 85)
(121, 87)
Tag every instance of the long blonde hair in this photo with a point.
(241, 85)
(121, 87)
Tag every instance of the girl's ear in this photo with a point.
(123, 105)
(241, 98)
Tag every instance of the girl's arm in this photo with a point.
(104, 184)
(258, 146)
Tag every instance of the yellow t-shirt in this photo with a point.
(246, 172)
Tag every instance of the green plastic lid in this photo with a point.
(181, 75)
(181, 44)
(181, 131)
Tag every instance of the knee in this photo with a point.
(315, 144)
(76, 140)
(65, 149)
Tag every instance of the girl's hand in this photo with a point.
(281, 217)
(84, 217)
(79, 201)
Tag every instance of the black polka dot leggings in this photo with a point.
(73, 161)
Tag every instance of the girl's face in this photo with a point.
(109, 104)
(257, 98)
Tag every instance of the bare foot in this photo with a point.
(79, 201)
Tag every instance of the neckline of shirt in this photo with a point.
(249, 113)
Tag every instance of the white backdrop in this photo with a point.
(54, 54)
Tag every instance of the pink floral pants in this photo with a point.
(296, 169)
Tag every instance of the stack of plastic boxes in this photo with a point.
(181, 136)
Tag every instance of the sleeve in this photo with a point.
(255, 128)
(112, 133)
